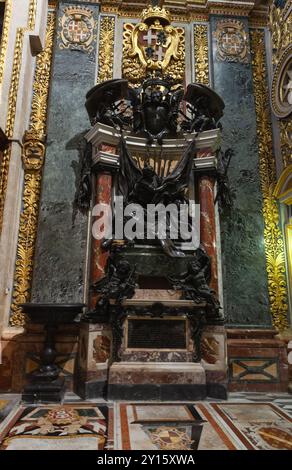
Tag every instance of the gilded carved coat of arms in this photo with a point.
(232, 41)
(77, 29)
(153, 45)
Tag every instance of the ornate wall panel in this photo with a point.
(274, 246)
(201, 53)
(33, 157)
(12, 100)
(106, 48)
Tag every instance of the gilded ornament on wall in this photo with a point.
(201, 54)
(280, 23)
(13, 90)
(77, 28)
(274, 244)
(106, 48)
(286, 140)
(232, 41)
(153, 45)
(4, 36)
(282, 85)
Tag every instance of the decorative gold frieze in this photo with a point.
(153, 45)
(106, 48)
(12, 100)
(274, 245)
(77, 28)
(33, 154)
(201, 53)
(232, 41)
(4, 36)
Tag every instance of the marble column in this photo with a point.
(103, 190)
(95, 344)
(208, 224)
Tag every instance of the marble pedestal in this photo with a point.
(214, 360)
(159, 381)
(93, 361)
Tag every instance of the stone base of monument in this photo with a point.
(157, 381)
(257, 361)
(214, 360)
(44, 392)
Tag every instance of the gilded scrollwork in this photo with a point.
(274, 245)
(12, 99)
(153, 45)
(201, 54)
(106, 48)
(33, 154)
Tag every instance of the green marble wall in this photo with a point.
(243, 252)
(60, 251)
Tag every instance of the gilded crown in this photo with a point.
(153, 13)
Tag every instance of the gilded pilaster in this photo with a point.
(33, 154)
(106, 48)
(4, 37)
(12, 100)
(274, 247)
(201, 55)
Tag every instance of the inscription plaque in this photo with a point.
(156, 334)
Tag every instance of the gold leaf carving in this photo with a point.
(274, 246)
(201, 54)
(12, 97)
(4, 36)
(106, 48)
(136, 63)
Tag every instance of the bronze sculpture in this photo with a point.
(153, 110)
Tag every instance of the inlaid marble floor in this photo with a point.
(246, 421)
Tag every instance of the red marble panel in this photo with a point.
(108, 148)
